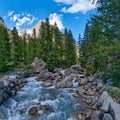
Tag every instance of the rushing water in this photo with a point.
(62, 103)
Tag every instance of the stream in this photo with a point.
(63, 105)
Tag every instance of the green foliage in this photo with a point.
(101, 42)
(113, 92)
(4, 48)
(15, 47)
(70, 51)
(55, 48)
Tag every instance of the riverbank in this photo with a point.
(89, 94)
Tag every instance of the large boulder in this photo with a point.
(39, 65)
(106, 101)
(21, 75)
(108, 105)
(95, 115)
(45, 75)
(107, 117)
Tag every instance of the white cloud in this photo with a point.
(10, 13)
(55, 18)
(69, 2)
(77, 6)
(15, 17)
(21, 19)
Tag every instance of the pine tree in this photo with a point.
(4, 48)
(70, 50)
(101, 49)
(57, 46)
(15, 47)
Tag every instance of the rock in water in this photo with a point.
(1, 85)
(33, 111)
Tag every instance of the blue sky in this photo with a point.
(71, 14)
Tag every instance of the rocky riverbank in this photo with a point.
(98, 104)
(9, 85)
(101, 106)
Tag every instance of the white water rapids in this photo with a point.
(62, 103)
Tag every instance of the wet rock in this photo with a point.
(75, 95)
(44, 108)
(47, 84)
(23, 75)
(11, 84)
(95, 115)
(1, 85)
(71, 91)
(5, 96)
(33, 111)
(23, 81)
(13, 92)
(107, 117)
(42, 99)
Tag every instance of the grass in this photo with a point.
(113, 92)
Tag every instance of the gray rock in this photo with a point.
(45, 75)
(77, 67)
(110, 106)
(83, 81)
(5, 96)
(115, 110)
(95, 115)
(39, 65)
(99, 85)
(23, 75)
(1, 85)
(106, 100)
(107, 117)
(6, 83)
(91, 78)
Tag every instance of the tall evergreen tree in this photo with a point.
(70, 50)
(15, 47)
(4, 48)
(101, 50)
